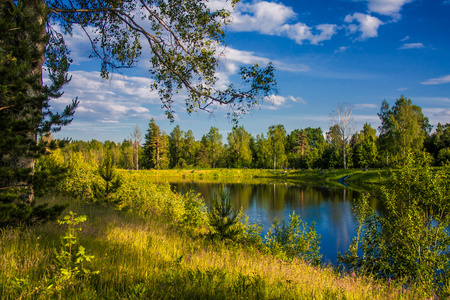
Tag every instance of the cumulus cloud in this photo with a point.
(277, 101)
(275, 19)
(439, 80)
(120, 98)
(387, 7)
(231, 58)
(412, 46)
(264, 17)
(368, 25)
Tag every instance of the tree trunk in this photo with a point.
(27, 42)
(343, 154)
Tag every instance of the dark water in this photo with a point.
(330, 208)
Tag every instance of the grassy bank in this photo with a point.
(143, 258)
(263, 175)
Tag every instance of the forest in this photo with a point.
(403, 128)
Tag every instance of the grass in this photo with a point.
(330, 176)
(143, 258)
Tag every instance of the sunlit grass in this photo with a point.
(266, 175)
(146, 259)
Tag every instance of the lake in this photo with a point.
(329, 207)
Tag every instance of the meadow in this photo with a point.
(144, 258)
(135, 239)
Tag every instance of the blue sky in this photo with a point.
(357, 52)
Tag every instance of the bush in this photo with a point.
(411, 241)
(294, 240)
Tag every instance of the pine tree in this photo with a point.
(24, 106)
(155, 154)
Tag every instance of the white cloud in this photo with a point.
(231, 58)
(341, 49)
(277, 101)
(120, 98)
(412, 46)
(402, 89)
(405, 38)
(437, 115)
(264, 17)
(368, 25)
(297, 99)
(447, 2)
(387, 7)
(272, 19)
(440, 80)
(364, 106)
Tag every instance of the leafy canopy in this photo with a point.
(182, 39)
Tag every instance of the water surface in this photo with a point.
(329, 207)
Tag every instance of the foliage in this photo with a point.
(403, 129)
(222, 219)
(155, 155)
(276, 139)
(365, 148)
(25, 112)
(194, 215)
(238, 149)
(294, 240)
(111, 180)
(72, 257)
(410, 241)
(67, 271)
(145, 259)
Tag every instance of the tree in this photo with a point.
(277, 137)
(176, 144)
(239, 153)
(342, 117)
(366, 150)
(403, 128)
(213, 143)
(24, 104)
(182, 38)
(136, 137)
(334, 152)
(410, 241)
(438, 144)
(190, 149)
(262, 151)
(297, 147)
(155, 148)
(317, 145)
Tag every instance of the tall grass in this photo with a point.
(144, 258)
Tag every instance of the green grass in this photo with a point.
(143, 258)
(264, 175)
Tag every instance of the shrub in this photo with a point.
(222, 219)
(410, 242)
(294, 240)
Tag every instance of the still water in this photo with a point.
(329, 207)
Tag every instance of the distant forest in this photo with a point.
(403, 128)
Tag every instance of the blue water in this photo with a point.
(330, 208)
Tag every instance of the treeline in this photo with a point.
(403, 128)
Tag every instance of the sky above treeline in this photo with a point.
(326, 52)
